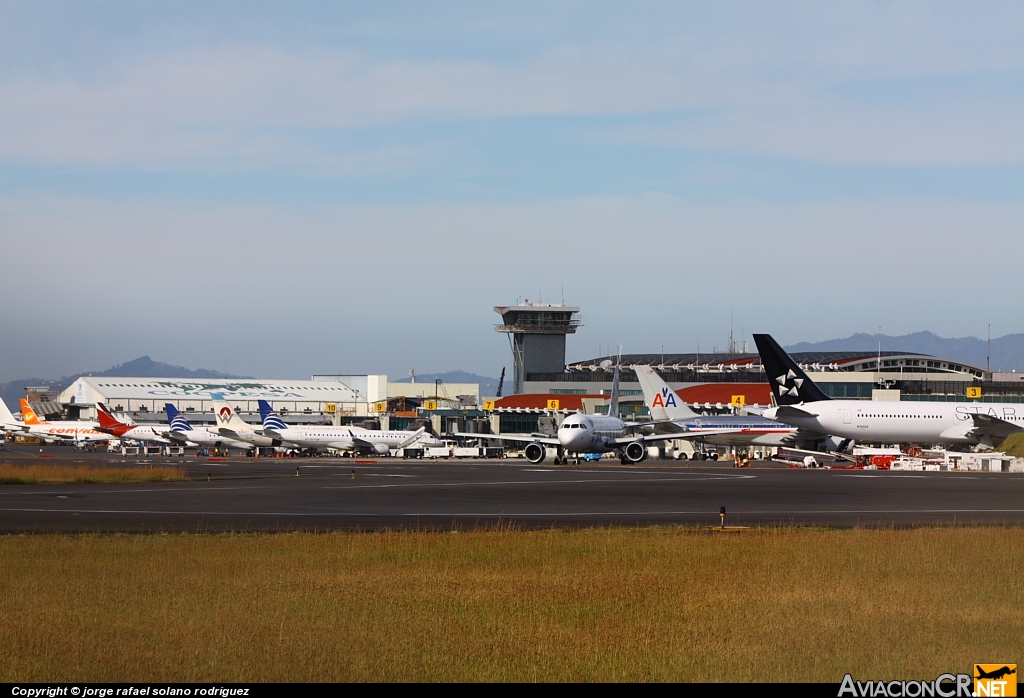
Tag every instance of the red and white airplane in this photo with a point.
(111, 425)
(51, 432)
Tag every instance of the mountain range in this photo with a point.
(1007, 355)
(142, 367)
(1007, 351)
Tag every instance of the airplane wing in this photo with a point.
(623, 440)
(784, 412)
(521, 438)
(987, 425)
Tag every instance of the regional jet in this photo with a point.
(802, 404)
(230, 425)
(52, 432)
(184, 433)
(111, 425)
(341, 438)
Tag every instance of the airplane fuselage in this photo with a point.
(66, 431)
(898, 422)
(585, 433)
(750, 430)
(345, 438)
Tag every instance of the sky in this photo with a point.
(285, 189)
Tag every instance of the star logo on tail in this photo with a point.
(789, 384)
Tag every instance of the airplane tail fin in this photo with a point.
(613, 404)
(790, 385)
(28, 415)
(108, 422)
(660, 399)
(271, 420)
(5, 414)
(226, 415)
(175, 420)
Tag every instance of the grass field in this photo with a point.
(1014, 445)
(11, 474)
(594, 605)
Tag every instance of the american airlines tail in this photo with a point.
(271, 420)
(660, 399)
(175, 420)
(28, 415)
(790, 385)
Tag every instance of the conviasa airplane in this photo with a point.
(61, 431)
(801, 403)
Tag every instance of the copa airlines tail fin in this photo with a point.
(790, 385)
(175, 420)
(271, 420)
(660, 399)
(28, 415)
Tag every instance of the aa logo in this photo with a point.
(995, 679)
(666, 398)
(224, 414)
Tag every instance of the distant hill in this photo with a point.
(142, 367)
(488, 386)
(1007, 351)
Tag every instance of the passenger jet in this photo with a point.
(803, 404)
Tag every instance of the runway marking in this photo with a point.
(535, 482)
(505, 514)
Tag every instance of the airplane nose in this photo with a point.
(565, 437)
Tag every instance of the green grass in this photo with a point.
(659, 604)
(64, 474)
(1014, 445)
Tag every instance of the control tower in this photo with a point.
(537, 336)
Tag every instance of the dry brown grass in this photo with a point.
(11, 474)
(594, 605)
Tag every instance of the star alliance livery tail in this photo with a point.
(271, 420)
(660, 399)
(174, 418)
(790, 385)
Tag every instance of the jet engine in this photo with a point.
(380, 449)
(635, 451)
(535, 452)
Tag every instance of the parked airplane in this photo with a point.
(111, 425)
(341, 438)
(230, 425)
(52, 432)
(591, 433)
(801, 403)
(670, 413)
(184, 433)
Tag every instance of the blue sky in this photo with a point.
(309, 187)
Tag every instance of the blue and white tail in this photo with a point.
(174, 418)
(271, 420)
(660, 399)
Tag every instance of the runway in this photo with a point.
(266, 495)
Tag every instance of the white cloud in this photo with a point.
(762, 81)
